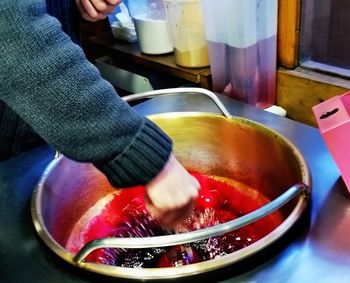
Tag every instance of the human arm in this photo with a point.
(47, 80)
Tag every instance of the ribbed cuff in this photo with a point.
(141, 161)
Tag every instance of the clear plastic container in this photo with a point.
(187, 28)
(122, 25)
(242, 42)
(151, 26)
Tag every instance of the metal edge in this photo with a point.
(187, 270)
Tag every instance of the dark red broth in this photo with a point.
(219, 201)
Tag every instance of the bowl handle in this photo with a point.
(170, 91)
(182, 238)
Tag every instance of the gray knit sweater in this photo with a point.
(46, 80)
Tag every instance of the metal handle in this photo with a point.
(171, 91)
(172, 240)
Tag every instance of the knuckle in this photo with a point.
(101, 6)
(114, 2)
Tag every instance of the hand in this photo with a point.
(95, 10)
(170, 196)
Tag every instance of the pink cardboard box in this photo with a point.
(333, 119)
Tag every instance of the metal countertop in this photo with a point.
(316, 249)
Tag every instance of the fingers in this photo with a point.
(171, 195)
(173, 217)
(113, 2)
(88, 12)
(195, 187)
(94, 10)
(102, 6)
(173, 187)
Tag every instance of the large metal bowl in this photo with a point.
(212, 144)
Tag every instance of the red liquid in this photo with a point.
(125, 216)
(246, 74)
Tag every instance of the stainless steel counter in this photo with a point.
(316, 249)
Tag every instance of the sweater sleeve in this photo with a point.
(47, 80)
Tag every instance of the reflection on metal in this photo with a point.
(190, 237)
(231, 147)
(121, 78)
(183, 90)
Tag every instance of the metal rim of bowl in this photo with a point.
(185, 270)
